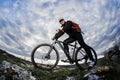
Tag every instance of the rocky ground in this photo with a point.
(12, 68)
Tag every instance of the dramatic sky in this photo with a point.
(27, 23)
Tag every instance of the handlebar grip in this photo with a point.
(53, 38)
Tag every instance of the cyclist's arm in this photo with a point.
(64, 29)
(59, 34)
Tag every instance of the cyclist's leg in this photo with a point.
(66, 48)
(66, 42)
(84, 45)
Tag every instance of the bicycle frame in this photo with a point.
(78, 55)
(71, 59)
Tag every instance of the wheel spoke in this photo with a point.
(82, 58)
(45, 57)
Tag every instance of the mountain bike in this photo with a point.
(46, 56)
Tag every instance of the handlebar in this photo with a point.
(53, 38)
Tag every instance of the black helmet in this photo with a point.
(61, 20)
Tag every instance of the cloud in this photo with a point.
(25, 24)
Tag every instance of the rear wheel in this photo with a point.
(82, 59)
(45, 56)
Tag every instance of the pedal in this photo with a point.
(65, 61)
(86, 58)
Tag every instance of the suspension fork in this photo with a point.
(73, 55)
(50, 50)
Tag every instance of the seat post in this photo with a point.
(73, 55)
(75, 43)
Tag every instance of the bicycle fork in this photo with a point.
(48, 54)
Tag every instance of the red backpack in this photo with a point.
(75, 25)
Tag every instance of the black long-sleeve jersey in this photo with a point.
(67, 28)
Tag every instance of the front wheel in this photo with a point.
(82, 59)
(45, 56)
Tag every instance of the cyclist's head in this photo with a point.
(62, 21)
